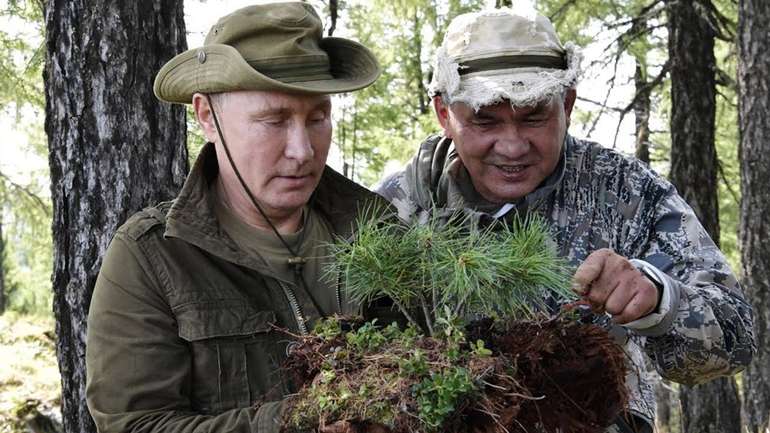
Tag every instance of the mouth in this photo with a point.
(293, 181)
(511, 168)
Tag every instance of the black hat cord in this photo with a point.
(296, 262)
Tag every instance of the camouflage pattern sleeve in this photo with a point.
(709, 333)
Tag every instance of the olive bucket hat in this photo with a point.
(276, 46)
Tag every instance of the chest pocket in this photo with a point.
(236, 355)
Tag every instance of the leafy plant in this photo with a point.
(439, 394)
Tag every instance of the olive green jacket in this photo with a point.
(182, 328)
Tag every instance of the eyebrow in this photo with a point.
(282, 110)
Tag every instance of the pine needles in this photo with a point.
(446, 267)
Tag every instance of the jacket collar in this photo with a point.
(192, 217)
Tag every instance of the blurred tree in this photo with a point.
(2, 266)
(693, 27)
(754, 108)
(630, 26)
(23, 200)
(386, 122)
(113, 149)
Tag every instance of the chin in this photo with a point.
(291, 201)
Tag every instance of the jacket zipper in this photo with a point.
(338, 292)
(298, 316)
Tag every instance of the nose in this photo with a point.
(298, 145)
(511, 143)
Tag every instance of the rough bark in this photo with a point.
(668, 416)
(693, 108)
(113, 150)
(333, 15)
(711, 408)
(754, 121)
(714, 406)
(642, 114)
(421, 93)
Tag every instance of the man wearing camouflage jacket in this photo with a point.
(503, 91)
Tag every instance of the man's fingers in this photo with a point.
(589, 270)
(618, 300)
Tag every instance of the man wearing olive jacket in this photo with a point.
(504, 88)
(182, 329)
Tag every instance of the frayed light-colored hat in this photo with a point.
(497, 55)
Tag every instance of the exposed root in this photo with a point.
(552, 375)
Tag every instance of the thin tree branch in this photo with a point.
(728, 184)
(562, 9)
(24, 190)
(599, 103)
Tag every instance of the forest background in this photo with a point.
(662, 82)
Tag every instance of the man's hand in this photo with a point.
(609, 282)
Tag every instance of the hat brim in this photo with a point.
(221, 68)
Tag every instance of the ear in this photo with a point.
(202, 108)
(442, 114)
(569, 103)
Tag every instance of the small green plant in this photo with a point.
(438, 395)
(478, 349)
(367, 338)
(327, 329)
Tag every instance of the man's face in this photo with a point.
(278, 141)
(507, 151)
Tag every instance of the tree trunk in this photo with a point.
(421, 93)
(711, 407)
(3, 299)
(754, 114)
(693, 108)
(668, 418)
(333, 15)
(113, 149)
(642, 113)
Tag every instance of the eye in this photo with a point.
(535, 119)
(274, 121)
(317, 116)
(484, 121)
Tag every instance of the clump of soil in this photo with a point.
(574, 372)
(544, 375)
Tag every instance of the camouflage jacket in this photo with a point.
(598, 198)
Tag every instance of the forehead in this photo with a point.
(267, 100)
(505, 108)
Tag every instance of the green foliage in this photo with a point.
(416, 364)
(371, 366)
(25, 209)
(439, 394)
(195, 137)
(446, 267)
(21, 55)
(384, 123)
(367, 338)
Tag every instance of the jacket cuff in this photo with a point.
(659, 321)
(270, 417)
